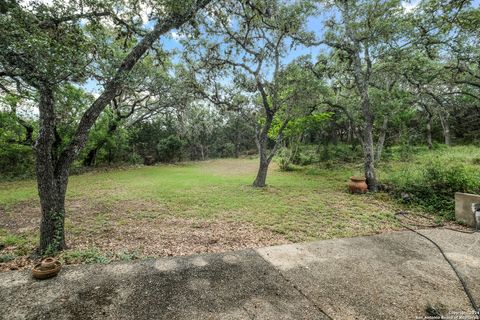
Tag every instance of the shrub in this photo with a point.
(128, 256)
(16, 161)
(341, 153)
(21, 243)
(135, 159)
(433, 186)
(226, 150)
(170, 149)
(305, 156)
(88, 256)
(284, 158)
(7, 257)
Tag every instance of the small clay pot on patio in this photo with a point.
(357, 185)
(48, 268)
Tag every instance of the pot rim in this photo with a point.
(37, 268)
(358, 179)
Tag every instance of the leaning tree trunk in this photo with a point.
(262, 145)
(260, 180)
(381, 139)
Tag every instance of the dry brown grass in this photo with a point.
(140, 227)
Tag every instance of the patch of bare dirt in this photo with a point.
(143, 227)
(229, 167)
(178, 236)
(19, 263)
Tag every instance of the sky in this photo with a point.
(171, 42)
(314, 24)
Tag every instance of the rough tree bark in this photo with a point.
(362, 79)
(368, 148)
(51, 180)
(261, 178)
(53, 166)
(357, 49)
(446, 129)
(261, 139)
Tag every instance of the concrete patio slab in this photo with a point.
(389, 276)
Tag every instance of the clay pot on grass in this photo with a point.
(48, 268)
(357, 185)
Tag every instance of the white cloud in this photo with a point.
(177, 36)
(410, 5)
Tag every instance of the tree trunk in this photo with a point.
(368, 152)
(361, 80)
(202, 154)
(236, 152)
(52, 182)
(446, 130)
(91, 157)
(368, 147)
(261, 179)
(429, 133)
(53, 168)
(381, 139)
(262, 145)
(52, 195)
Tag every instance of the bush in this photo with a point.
(341, 153)
(16, 161)
(7, 257)
(135, 159)
(88, 256)
(21, 243)
(284, 158)
(170, 149)
(128, 256)
(433, 186)
(226, 150)
(305, 156)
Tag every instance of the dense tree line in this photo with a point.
(89, 83)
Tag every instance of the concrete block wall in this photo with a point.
(465, 206)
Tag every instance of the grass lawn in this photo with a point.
(193, 207)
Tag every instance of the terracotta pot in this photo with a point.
(357, 185)
(48, 263)
(48, 268)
